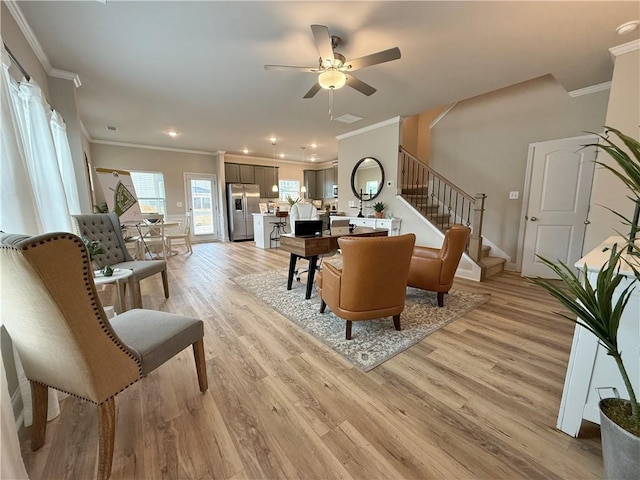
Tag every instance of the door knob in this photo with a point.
(587, 222)
(533, 219)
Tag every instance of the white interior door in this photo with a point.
(202, 194)
(561, 175)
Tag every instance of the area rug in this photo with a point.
(373, 342)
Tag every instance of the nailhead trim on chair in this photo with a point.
(90, 286)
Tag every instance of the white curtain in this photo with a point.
(38, 193)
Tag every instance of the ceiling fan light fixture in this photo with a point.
(332, 79)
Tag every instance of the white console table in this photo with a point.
(391, 224)
(590, 369)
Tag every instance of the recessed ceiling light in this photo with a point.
(273, 139)
(282, 155)
(314, 145)
(245, 151)
(172, 133)
(628, 27)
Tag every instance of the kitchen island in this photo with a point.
(263, 224)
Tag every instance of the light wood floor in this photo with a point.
(477, 399)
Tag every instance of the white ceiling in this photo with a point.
(197, 67)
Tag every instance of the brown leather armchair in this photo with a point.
(432, 268)
(372, 282)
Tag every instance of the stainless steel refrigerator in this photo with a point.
(242, 202)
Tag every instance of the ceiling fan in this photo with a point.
(333, 70)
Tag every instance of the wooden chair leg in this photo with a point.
(396, 322)
(441, 299)
(349, 322)
(201, 365)
(40, 397)
(136, 295)
(165, 283)
(107, 435)
(323, 306)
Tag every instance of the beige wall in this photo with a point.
(13, 37)
(173, 166)
(482, 143)
(380, 143)
(409, 133)
(623, 114)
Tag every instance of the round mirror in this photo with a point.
(367, 178)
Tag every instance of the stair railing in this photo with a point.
(440, 201)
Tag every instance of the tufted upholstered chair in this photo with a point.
(372, 282)
(105, 228)
(434, 269)
(57, 324)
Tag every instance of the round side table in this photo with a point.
(120, 276)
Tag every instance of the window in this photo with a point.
(150, 191)
(289, 188)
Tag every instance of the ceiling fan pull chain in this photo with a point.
(331, 104)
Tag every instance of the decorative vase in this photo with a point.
(620, 449)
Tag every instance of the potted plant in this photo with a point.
(291, 201)
(378, 207)
(595, 310)
(94, 248)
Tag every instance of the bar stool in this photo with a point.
(278, 228)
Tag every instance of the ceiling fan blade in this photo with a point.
(359, 85)
(291, 68)
(313, 90)
(323, 42)
(373, 59)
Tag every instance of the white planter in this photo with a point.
(620, 449)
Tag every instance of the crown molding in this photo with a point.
(369, 128)
(28, 34)
(589, 90)
(151, 147)
(65, 75)
(625, 48)
(33, 42)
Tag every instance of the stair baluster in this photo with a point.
(440, 201)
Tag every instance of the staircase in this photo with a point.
(443, 204)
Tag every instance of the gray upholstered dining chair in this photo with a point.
(105, 228)
(56, 322)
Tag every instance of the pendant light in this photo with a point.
(303, 188)
(274, 188)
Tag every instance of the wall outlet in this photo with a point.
(179, 204)
(514, 195)
(352, 203)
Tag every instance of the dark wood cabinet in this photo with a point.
(247, 174)
(263, 176)
(310, 183)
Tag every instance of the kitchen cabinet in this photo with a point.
(329, 181)
(310, 183)
(247, 174)
(263, 176)
(231, 173)
(320, 178)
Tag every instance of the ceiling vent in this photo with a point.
(112, 128)
(348, 118)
